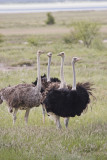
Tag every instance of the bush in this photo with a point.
(71, 38)
(33, 41)
(50, 19)
(87, 32)
(84, 31)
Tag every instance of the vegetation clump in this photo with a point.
(33, 41)
(50, 19)
(84, 32)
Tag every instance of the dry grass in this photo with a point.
(34, 23)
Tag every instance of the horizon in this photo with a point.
(52, 7)
(47, 1)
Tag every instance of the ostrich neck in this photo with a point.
(74, 77)
(48, 69)
(38, 73)
(62, 73)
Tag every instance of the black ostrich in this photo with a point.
(56, 85)
(67, 102)
(47, 81)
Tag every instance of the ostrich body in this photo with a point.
(24, 96)
(67, 102)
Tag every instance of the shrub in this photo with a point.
(50, 19)
(71, 38)
(33, 41)
(85, 31)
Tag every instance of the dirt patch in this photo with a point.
(37, 31)
(8, 68)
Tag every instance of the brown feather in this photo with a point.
(22, 96)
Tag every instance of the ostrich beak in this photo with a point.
(61, 54)
(78, 59)
(40, 52)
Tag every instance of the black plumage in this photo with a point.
(43, 78)
(44, 82)
(66, 102)
(54, 79)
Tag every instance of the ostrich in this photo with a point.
(47, 82)
(67, 102)
(24, 96)
(52, 82)
(58, 85)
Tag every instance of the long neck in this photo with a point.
(48, 69)
(38, 73)
(74, 77)
(62, 73)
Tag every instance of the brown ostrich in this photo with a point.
(23, 96)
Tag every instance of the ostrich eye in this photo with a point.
(75, 59)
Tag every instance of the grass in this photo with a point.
(86, 136)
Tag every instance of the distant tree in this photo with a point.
(87, 32)
(84, 31)
(50, 19)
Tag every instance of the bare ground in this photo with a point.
(37, 30)
(8, 68)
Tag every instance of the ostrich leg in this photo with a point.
(43, 112)
(14, 115)
(26, 115)
(66, 120)
(58, 122)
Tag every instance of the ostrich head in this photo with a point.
(49, 54)
(39, 52)
(75, 59)
(62, 54)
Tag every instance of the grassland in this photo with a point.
(86, 137)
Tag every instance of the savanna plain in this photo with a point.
(86, 136)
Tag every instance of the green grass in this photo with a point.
(86, 136)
